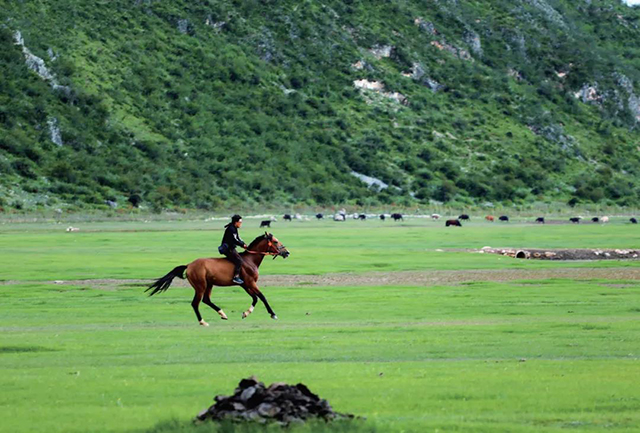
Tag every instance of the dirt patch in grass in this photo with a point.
(402, 278)
(565, 254)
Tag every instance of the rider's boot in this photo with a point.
(236, 279)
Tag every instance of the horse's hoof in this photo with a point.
(203, 323)
(274, 317)
(222, 315)
(244, 315)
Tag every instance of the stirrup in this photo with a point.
(238, 280)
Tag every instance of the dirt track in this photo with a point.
(403, 278)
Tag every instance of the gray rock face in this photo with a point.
(34, 62)
(472, 39)
(426, 26)
(634, 106)
(432, 84)
(39, 66)
(279, 403)
(183, 26)
(266, 47)
(549, 12)
(633, 100)
(371, 181)
(54, 131)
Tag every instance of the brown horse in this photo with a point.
(203, 274)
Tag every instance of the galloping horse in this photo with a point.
(205, 273)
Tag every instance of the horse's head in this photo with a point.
(270, 245)
(276, 246)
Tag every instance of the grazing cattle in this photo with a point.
(339, 217)
(397, 216)
(490, 218)
(540, 220)
(73, 229)
(504, 218)
(435, 216)
(287, 217)
(575, 220)
(464, 216)
(633, 220)
(595, 219)
(382, 217)
(453, 223)
(604, 219)
(319, 216)
(362, 217)
(265, 223)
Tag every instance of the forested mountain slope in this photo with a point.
(205, 103)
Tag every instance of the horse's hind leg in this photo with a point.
(199, 287)
(253, 304)
(196, 301)
(207, 300)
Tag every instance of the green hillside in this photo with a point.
(207, 104)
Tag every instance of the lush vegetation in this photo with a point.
(208, 104)
(483, 357)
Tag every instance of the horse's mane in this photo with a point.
(257, 240)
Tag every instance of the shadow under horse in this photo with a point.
(205, 273)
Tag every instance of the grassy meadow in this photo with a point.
(523, 356)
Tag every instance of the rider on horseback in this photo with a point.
(230, 240)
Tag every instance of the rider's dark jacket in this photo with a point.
(231, 238)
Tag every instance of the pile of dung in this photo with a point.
(280, 403)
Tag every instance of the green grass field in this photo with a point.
(524, 356)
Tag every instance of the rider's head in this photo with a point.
(236, 220)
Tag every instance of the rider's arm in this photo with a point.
(239, 242)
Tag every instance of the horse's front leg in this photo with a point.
(266, 304)
(254, 291)
(254, 299)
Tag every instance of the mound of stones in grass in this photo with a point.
(573, 254)
(280, 403)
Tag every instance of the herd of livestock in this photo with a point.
(456, 222)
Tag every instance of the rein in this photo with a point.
(264, 253)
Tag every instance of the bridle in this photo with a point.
(272, 249)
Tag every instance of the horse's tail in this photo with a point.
(163, 283)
